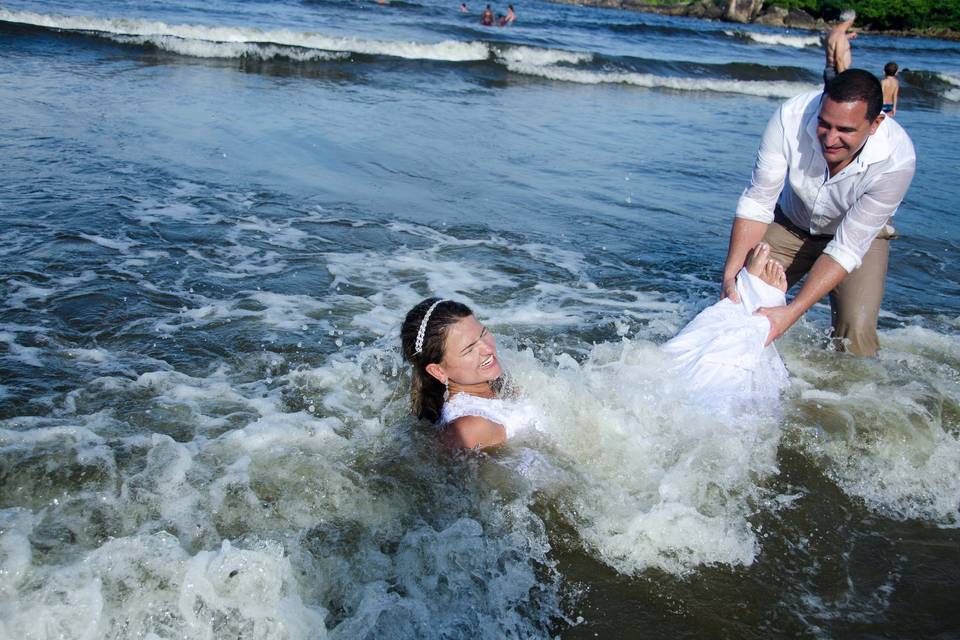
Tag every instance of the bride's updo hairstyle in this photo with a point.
(422, 337)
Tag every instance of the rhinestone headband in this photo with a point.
(422, 332)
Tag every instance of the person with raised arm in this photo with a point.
(839, 58)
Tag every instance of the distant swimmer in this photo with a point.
(463, 8)
(486, 18)
(891, 88)
(837, 46)
(511, 16)
(501, 20)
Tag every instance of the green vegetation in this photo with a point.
(899, 15)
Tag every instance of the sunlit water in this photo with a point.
(215, 216)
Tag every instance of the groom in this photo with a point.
(829, 174)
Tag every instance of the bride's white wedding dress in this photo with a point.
(722, 352)
(514, 415)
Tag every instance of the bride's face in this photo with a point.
(470, 353)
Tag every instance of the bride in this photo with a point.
(457, 380)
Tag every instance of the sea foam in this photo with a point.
(768, 89)
(779, 39)
(223, 41)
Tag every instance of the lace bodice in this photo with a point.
(514, 415)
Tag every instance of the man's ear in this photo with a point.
(876, 122)
(436, 371)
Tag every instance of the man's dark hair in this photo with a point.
(891, 68)
(854, 85)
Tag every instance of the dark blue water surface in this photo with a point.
(216, 214)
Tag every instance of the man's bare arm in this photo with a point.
(744, 235)
(825, 275)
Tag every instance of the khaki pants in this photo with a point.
(855, 302)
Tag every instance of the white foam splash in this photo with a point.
(949, 79)
(780, 39)
(660, 482)
(205, 49)
(139, 585)
(311, 526)
(541, 57)
(950, 94)
(123, 246)
(29, 356)
(22, 291)
(884, 436)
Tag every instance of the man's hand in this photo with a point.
(822, 278)
(729, 290)
(744, 236)
(781, 319)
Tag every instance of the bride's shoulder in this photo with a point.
(469, 431)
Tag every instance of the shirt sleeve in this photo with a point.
(868, 215)
(769, 173)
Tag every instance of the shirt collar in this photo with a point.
(877, 147)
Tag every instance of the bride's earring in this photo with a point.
(446, 389)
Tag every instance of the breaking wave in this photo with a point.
(777, 39)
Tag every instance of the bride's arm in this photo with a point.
(468, 432)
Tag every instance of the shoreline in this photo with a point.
(772, 17)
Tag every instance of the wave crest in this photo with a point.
(767, 89)
(778, 39)
(203, 41)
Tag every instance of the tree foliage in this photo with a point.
(930, 15)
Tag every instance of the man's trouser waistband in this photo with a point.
(781, 218)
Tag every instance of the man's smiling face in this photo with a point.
(843, 129)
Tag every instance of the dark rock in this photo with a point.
(798, 19)
(773, 17)
(706, 9)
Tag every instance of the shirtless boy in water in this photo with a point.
(891, 88)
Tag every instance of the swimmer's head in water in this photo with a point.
(426, 392)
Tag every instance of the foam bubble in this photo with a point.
(92, 356)
(122, 246)
(29, 356)
(22, 291)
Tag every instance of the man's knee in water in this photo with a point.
(855, 331)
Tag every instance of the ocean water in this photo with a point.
(215, 215)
